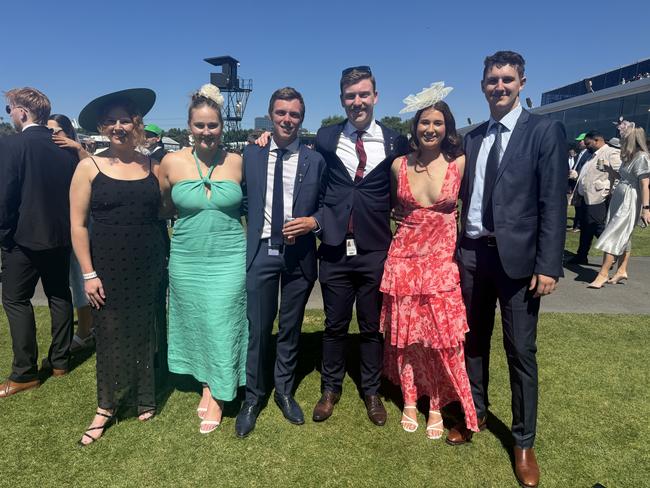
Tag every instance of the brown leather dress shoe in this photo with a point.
(460, 434)
(376, 411)
(9, 387)
(526, 468)
(325, 406)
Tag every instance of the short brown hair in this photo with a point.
(501, 58)
(32, 100)
(355, 76)
(287, 93)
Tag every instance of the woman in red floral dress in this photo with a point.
(423, 315)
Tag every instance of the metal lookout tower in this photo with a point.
(235, 90)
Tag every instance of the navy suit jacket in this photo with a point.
(529, 197)
(307, 201)
(35, 177)
(368, 201)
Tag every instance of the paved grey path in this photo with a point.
(572, 295)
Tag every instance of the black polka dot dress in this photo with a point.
(128, 254)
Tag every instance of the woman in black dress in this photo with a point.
(122, 262)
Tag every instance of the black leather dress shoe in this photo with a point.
(290, 408)
(246, 419)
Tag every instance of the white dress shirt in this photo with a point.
(289, 169)
(28, 126)
(474, 228)
(373, 144)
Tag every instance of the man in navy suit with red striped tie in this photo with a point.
(356, 235)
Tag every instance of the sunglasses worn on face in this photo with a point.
(364, 69)
(9, 108)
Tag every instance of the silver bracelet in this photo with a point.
(90, 276)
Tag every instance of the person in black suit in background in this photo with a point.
(356, 235)
(512, 241)
(283, 181)
(35, 177)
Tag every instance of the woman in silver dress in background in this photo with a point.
(630, 204)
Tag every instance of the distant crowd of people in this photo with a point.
(425, 295)
(609, 188)
(639, 76)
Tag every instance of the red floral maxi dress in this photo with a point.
(423, 315)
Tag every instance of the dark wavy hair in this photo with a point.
(65, 124)
(452, 144)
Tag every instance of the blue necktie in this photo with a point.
(277, 207)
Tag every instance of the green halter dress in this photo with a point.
(208, 329)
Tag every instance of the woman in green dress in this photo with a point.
(208, 329)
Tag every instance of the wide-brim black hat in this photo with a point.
(142, 98)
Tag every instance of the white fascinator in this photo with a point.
(427, 97)
(211, 92)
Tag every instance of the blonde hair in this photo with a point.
(632, 144)
(33, 100)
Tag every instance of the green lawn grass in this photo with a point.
(592, 427)
(640, 239)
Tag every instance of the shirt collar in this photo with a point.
(372, 128)
(291, 148)
(28, 126)
(509, 120)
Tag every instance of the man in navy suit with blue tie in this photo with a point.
(511, 245)
(282, 182)
(355, 237)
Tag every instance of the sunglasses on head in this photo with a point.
(363, 69)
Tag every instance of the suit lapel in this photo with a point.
(472, 155)
(263, 164)
(516, 139)
(334, 142)
(301, 172)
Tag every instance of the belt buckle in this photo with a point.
(491, 241)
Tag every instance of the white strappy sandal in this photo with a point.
(409, 424)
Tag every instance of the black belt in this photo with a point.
(484, 241)
(268, 243)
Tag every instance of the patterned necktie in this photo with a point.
(361, 168)
(361, 154)
(491, 168)
(277, 207)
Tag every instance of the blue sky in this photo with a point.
(75, 51)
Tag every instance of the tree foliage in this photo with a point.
(182, 136)
(240, 135)
(331, 120)
(6, 129)
(397, 124)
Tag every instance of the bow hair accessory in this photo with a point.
(427, 97)
(211, 92)
(624, 127)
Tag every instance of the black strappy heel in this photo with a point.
(111, 419)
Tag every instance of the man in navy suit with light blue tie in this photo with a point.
(511, 245)
(283, 192)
